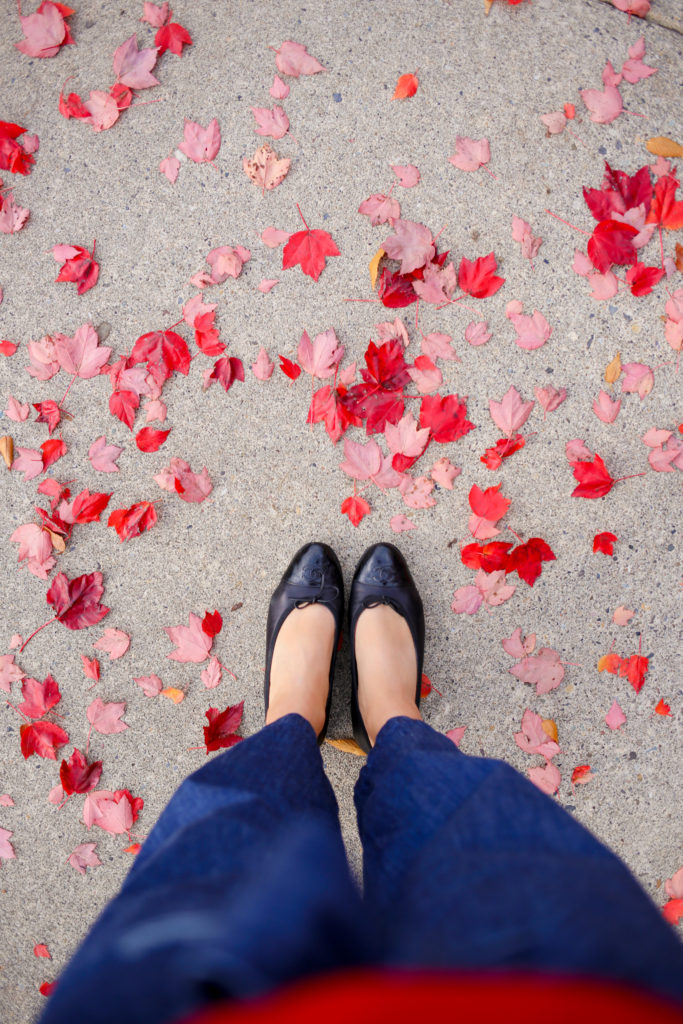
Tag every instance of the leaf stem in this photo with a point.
(37, 631)
(572, 226)
(67, 390)
(302, 216)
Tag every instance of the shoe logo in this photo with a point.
(386, 575)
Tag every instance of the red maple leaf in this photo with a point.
(405, 87)
(76, 601)
(172, 37)
(227, 370)
(619, 192)
(206, 334)
(379, 399)
(72, 105)
(594, 478)
(604, 542)
(163, 352)
(479, 278)
(52, 450)
(396, 290)
(220, 732)
(80, 266)
(48, 412)
(327, 405)
(131, 522)
(43, 739)
(87, 507)
(77, 776)
(502, 449)
(641, 279)
(663, 708)
(150, 440)
(635, 669)
(611, 242)
(212, 623)
(526, 559)
(355, 508)
(308, 248)
(490, 557)
(290, 369)
(123, 405)
(666, 209)
(488, 504)
(446, 417)
(38, 698)
(13, 157)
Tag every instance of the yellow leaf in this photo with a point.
(613, 369)
(488, 4)
(374, 267)
(549, 726)
(660, 145)
(7, 450)
(173, 694)
(348, 746)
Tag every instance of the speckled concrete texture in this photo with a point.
(276, 481)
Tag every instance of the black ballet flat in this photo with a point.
(314, 576)
(382, 577)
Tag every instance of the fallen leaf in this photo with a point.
(266, 169)
(192, 643)
(106, 718)
(309, 248)
(660, 145)
(84, 857)
(405, 87)
(347, 746)
(220, 732)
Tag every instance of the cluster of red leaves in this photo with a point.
(133, 70)
(634, 668)
(16, 156)
(41, 737)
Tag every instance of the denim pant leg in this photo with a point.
(468, 865)
(242, 885)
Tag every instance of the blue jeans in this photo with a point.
(243, 883)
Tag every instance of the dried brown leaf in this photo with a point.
(7, 450)
(660, 145)
(347, 746)
(613, 369)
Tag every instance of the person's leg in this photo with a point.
(469, 865)
(243, 883)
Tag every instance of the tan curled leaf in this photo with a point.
(613, 369)
(549, 726)
(7, 449)
(58, 542)
(347, 746)
(373, 267)
(660, 145)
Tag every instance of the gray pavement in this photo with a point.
(276, 482)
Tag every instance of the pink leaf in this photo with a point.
(521, 232)
(154, 15)
(200, 144)
(103, 456)
(274, 123)
(511, 413)
(467, 600)
(29, 462)
(438, 346)
(492, 586)
(105, 718)
(6, 848)
(603, 286)
(279, 90)
(674, 885)
(547, 778)
(9, 672)
(6, 800)
(638, 379)
(170, 166)
(44, 32)
(211, 675)
(533, 739)
(544, 670)
(103, 110)
(380, 209)
(151, 686)
(470, 154)
(82, 355)
(456, 734)
(322, 356)
(273, 237)
(406, 438)
(35, 546)
(91, 667)
(604, 106)
(532, 331)
(155, 410)
(605, 408)
(443, 473)
(411, 243)
(425, 375)
(555, 122)
(477, 333)
(113, 642)
(517, 647)
(83, 857)
(17, 411)
(133, 67)
(263, 367)
(192, 643)
(401, 523)
(294, 59)
(550, 398)
(417, 493)
(615, 717)
(622, 615)
(12, 217)
(407, 174)
(267, 284)
(178, 477)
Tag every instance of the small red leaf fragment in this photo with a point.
(220, 732)
(604, 542)
(212, 623)
(405, 87)
(148, 439)
(40, 949)
(355, 508)
(662, 708)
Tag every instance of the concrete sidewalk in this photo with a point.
(276, 482)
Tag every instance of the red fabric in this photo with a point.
(412, 997)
